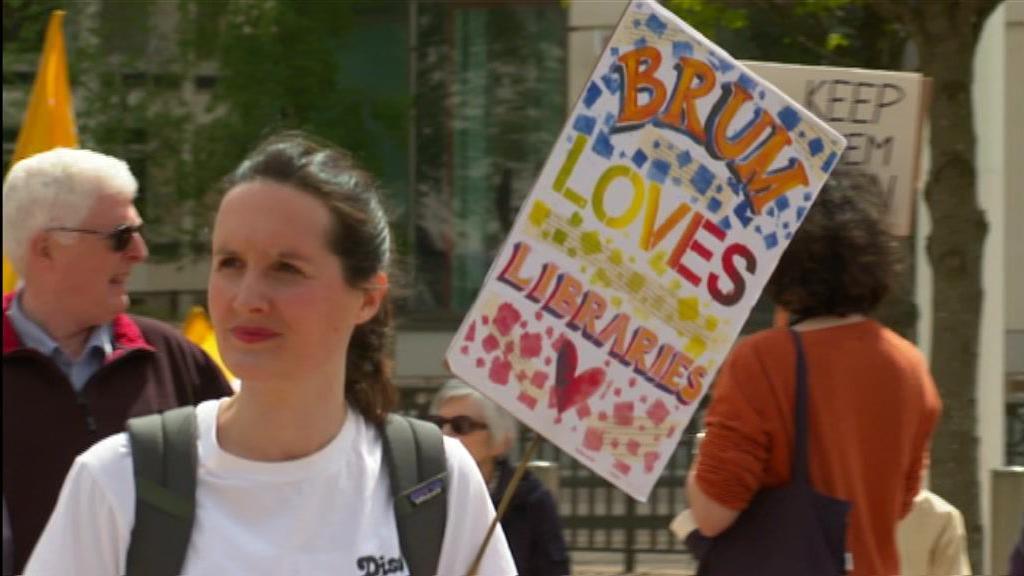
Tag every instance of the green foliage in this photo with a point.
(129, 79)
(710, 17)
(824, 32)
(835, 41)
(303, 64)
(182, 90)
(24, 28)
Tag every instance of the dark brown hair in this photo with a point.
(359, 237)
(841, 260)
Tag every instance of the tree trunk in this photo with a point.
(955, 249)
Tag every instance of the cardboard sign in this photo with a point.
(879, 113)
(675, 185)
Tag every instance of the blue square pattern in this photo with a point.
(640, 42)
(592, 94)
(584, 124)
(816, 146)
(771, 241)
(782, 204)
(720, 64)
(747, 82)
(680, 49)
(725, 223)
(734, 185)
(743, 213)
(609, 119)
(658, 171)
(654, 24)
(639, 158)
(714, 205)
(603, 146)
(702, 179)
(683, 158)
(611, 82)
(615, 51)
(827, 166)
(789, 118)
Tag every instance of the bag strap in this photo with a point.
(164, 459)
(418, 471)
(800, 469)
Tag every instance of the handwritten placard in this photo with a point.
(675, 185)
(879, 112)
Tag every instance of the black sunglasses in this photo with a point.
(119, 239)
(460, 425)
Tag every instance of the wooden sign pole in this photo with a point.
(505, 499)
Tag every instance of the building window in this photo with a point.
(489, 90)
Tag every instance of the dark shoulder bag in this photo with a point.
(791, 530)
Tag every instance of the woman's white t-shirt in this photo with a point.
(327, 513)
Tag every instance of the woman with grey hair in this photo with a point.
(531, 523)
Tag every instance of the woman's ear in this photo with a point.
(374, 292)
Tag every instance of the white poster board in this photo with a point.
(880, 113)
(676, 183)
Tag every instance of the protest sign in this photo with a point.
(675, 184)
(880, 113)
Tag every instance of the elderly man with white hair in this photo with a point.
(531, 523)
(76, 366)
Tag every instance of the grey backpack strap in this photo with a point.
(418, 470)
(164, 459)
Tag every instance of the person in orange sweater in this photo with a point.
(872, 402)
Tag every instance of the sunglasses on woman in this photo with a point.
(460, 425)
(119, 239)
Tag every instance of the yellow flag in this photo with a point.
(49, 121)
(198, 330)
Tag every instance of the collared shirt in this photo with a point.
(932, 539)
(97, 347)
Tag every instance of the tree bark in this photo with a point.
(946, 34)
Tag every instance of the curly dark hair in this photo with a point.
(841, 261)
(360, 237)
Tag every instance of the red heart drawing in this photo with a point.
(572, 388)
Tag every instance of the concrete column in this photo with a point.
(590, 27)
(998, 81)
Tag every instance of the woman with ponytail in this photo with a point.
(291, 477)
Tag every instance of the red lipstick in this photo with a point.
(252, 334)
